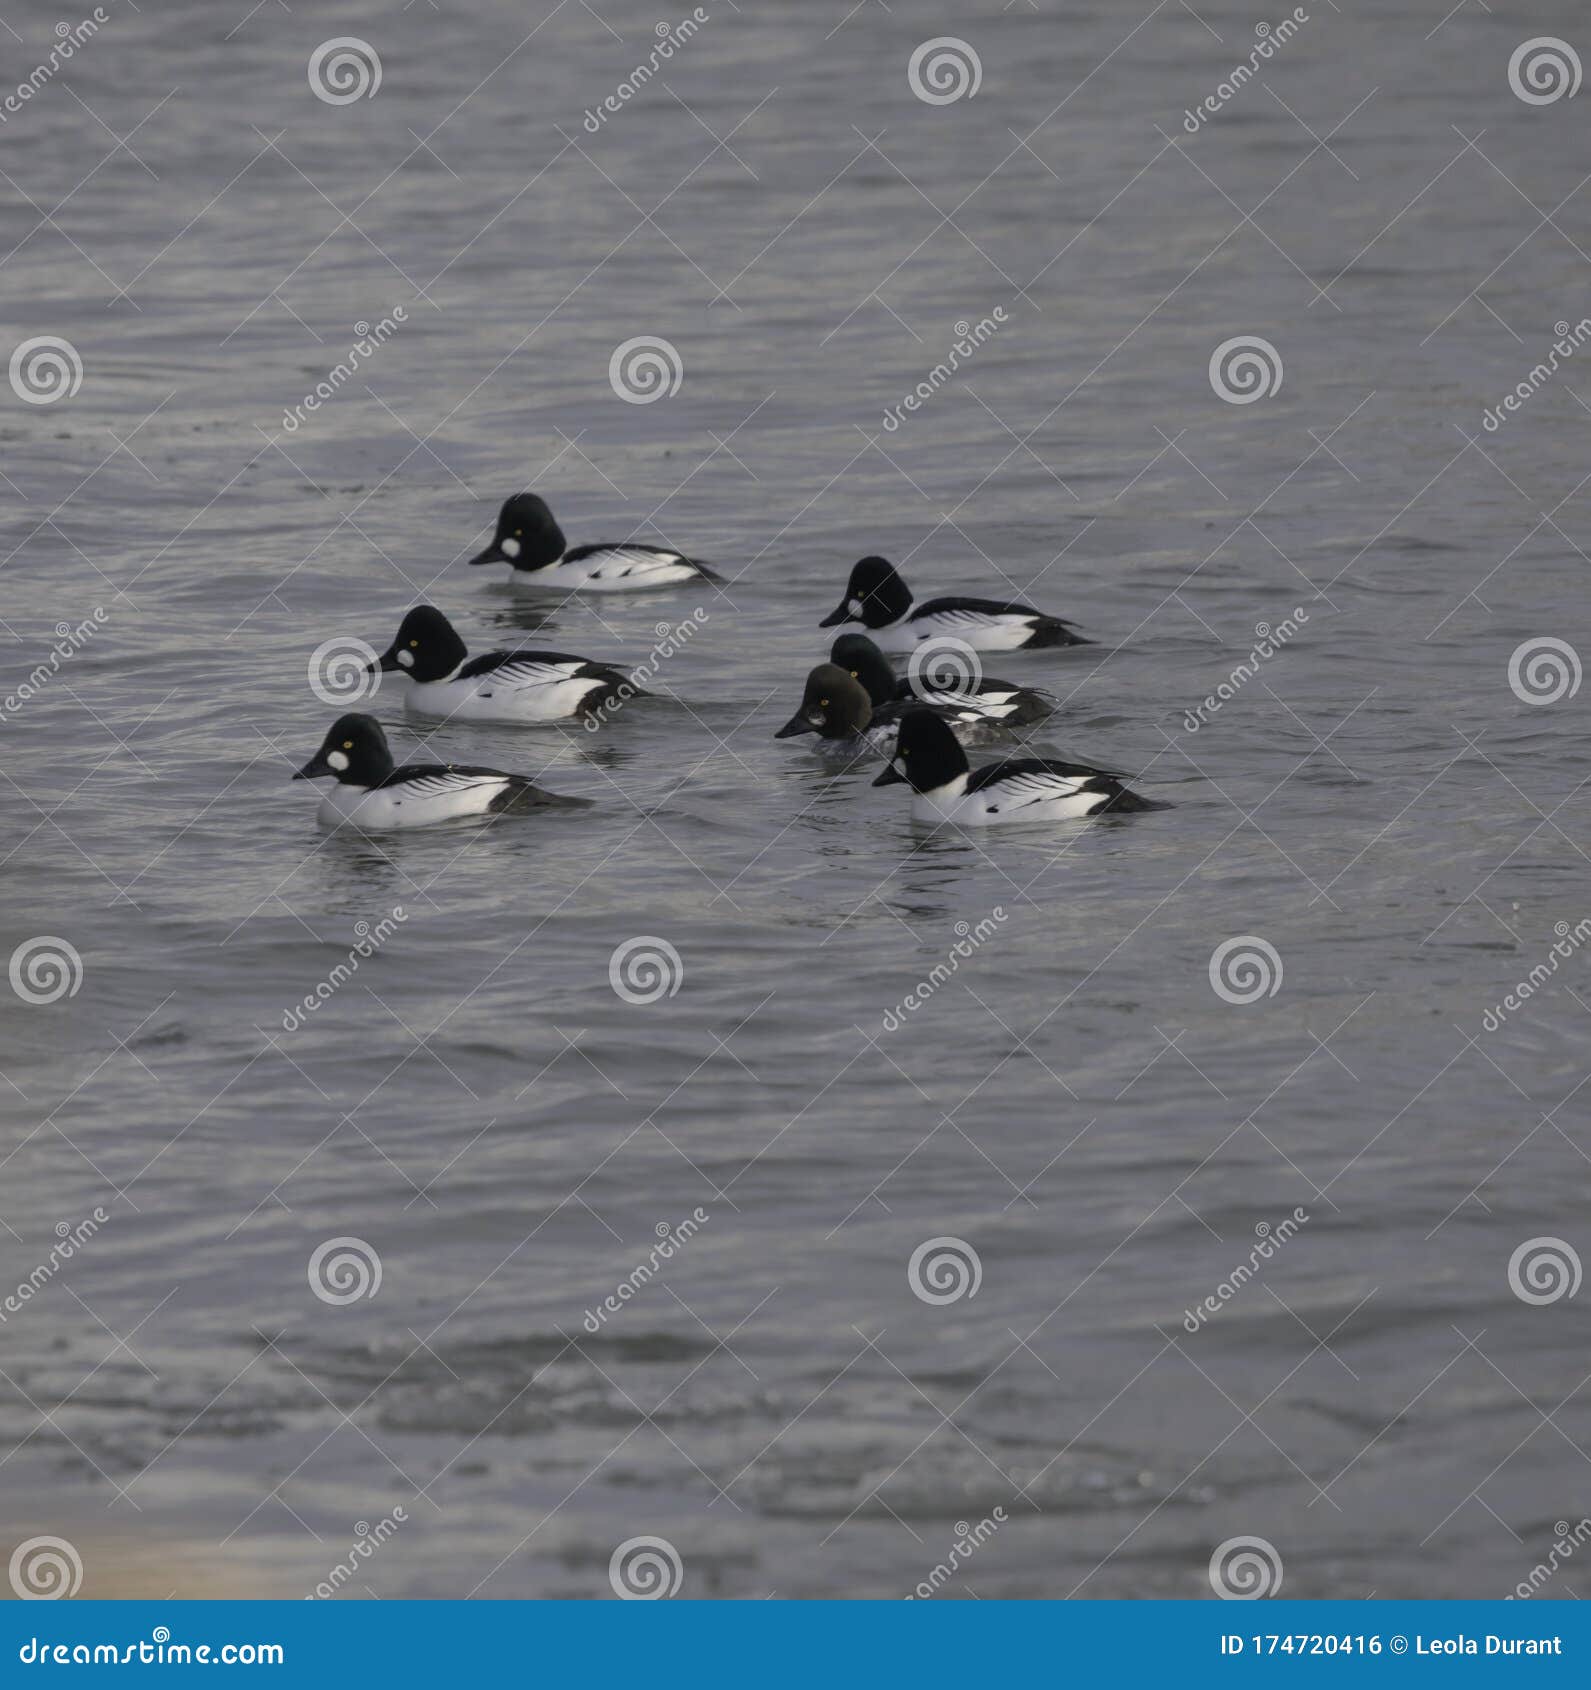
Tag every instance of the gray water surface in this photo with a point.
(1075, 1103)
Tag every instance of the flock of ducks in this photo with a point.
(854, 703)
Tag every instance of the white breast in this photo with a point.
(421, 803)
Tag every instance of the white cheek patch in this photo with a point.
(406, 658)
(854, 607)
(337, 760)
(509, 548)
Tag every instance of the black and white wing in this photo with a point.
(960, 617)
(441, 780)
(635, 564)
(518, 669)
(1021, 782)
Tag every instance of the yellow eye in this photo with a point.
(855, 675)
(905, 754)
(413, 645)
(518, 532)
(348, 745)
(823, 704)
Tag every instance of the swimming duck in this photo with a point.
(497, 686)
(372, 794)
(835, 707)
(529, 539)
(945, 788)
(1001, 702)
(878, 600)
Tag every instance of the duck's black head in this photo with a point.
(834, 706)
(427, 646)
(857, 654)
(528, 535)
(927, 754)
(354, 751)
(875, 596)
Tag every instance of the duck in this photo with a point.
(945, 788)
(1001, 702)
(529, 539)
(372, 794)
(878, 600)
(835, 706)
(497, 686)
